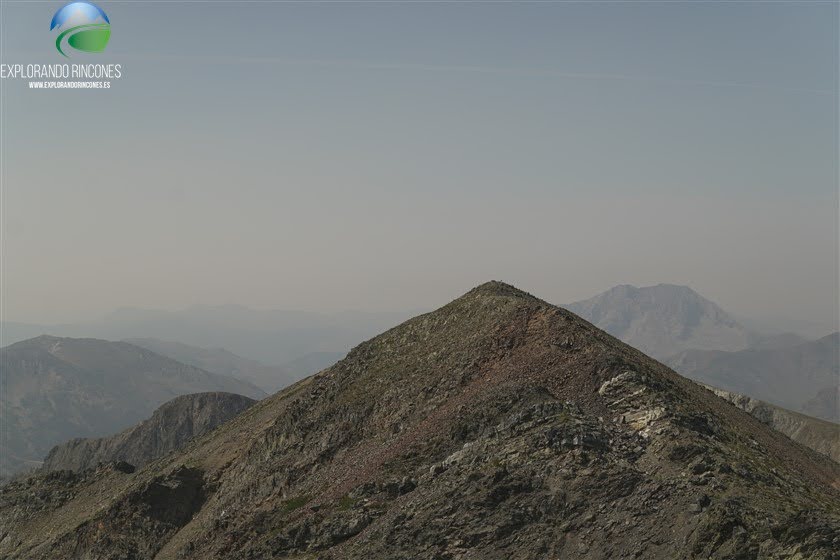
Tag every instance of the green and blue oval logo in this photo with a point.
(82, 26)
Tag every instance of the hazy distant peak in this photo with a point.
(787, 376)
(153, 344)
(663, 320)
(832, 338)
(272, 337)
(54, 344)
(657, 290)
(622, 289)
(673, 287)
(40, 340)
(219, 360)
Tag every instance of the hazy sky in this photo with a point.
(387, 156)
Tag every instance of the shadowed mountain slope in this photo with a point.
(168, 429)
(55, 389)
(825, 404)
(497, 427)
(793, 377)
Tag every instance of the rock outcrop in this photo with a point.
(820, 435)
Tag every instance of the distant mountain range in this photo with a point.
(802, 377)
(221, 361)
(55, 389)
(820, 435)
(170, 427)
(272, 337)
(496, 427)
(700, 340)
(825, 404)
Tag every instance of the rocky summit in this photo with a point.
(497, 427)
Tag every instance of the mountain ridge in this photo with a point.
(789, 376)
(55, 389)
(495, 427)
(273, 337)
(169, 427)
(220, 360)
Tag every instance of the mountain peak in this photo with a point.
(496, 426)
(663, 320)
(497, 288)
(676, 287)
(662, 287)
(39, 340)
(679, 289)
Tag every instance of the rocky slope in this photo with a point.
(221, 361)
(819, 435)
(168, 429)
(497, 427)
(54, 389)
(793, 377)
(663, 320)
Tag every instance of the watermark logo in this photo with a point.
(82, 26)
